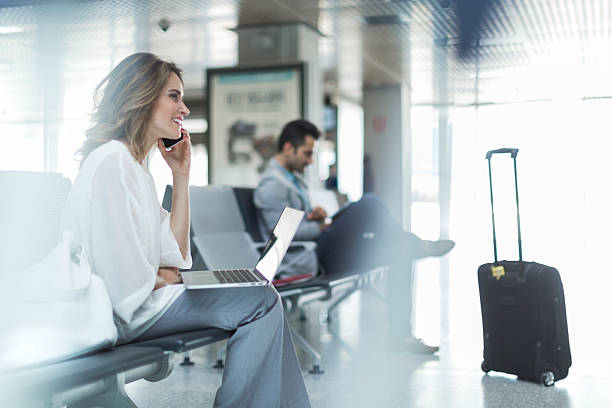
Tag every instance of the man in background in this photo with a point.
(361, 236)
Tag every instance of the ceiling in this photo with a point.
(525, 50)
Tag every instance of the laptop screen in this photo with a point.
(279, 241)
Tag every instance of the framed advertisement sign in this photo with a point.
(247, 108)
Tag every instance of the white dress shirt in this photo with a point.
(114, 212)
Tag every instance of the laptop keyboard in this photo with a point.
(235, 276)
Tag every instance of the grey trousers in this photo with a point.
(261, 367)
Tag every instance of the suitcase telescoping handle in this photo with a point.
(513, 152)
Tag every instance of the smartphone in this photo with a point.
(168, 143)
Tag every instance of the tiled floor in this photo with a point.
(360, 372)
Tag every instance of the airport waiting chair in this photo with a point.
(220, 239)
(32, 204)
(93, 380)
(99, 379)
(341, 285)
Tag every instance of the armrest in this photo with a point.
(294, 246)
(291, 279)
(307, 245)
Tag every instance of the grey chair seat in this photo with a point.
(78, 371)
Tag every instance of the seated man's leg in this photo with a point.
(261, 368)
(400, 295)
(400, 302)
(348, 244)
(377, 218)
(365, 235)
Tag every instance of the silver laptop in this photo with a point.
(266, 267)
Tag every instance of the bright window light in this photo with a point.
(195, 125)
(350, 149)
(10, 30)
(565, 199)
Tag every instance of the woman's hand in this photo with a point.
(167, 276)
(179, 161)
(179, 155)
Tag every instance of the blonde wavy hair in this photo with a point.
(123, 103)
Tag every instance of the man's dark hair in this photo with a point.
(295, 133)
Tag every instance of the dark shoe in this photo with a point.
(413, 345)
(435, 248)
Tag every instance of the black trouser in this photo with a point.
(365, 236)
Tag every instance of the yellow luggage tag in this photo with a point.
(498, 271)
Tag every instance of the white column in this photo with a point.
(440, 86)
(386, 145)
(51, 81)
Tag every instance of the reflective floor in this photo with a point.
(360, 372)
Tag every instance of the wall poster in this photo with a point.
(247, 108)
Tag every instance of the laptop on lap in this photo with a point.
(266, 267)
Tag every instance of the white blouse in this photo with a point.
(114, 212)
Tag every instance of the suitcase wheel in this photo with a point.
(484, 367)
(547, 378)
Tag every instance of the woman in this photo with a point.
(136, 247)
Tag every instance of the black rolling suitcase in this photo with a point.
(523, 312)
